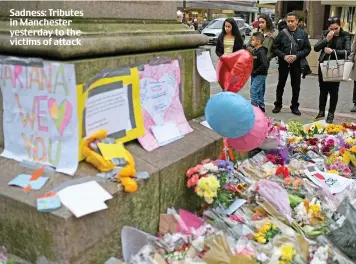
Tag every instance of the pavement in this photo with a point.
(309, 96)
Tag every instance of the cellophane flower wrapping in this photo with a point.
(276, 195)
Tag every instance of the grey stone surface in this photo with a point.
(62, 238)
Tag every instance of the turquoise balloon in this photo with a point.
(230, 114)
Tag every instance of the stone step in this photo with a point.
(59, 237)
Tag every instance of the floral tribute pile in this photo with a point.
(293, 202)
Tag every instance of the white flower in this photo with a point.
(320, 256)
(211, 167)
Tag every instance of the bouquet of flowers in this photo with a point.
(216, 182)
(266, 233)
(313, 130)
(296, 128)
(335, 129)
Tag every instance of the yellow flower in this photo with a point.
(350, 141)
(307, 129)
(333, 172)
(260, 238)
(346, 157)
(287, 253)
(213, 182)
(292, 140)
(203, 184)
(200, 192)
(208, 200)
(282, 262)
(353, 149)
(315, 208)
(265, 228)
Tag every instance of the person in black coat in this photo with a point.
(334, 40)
(230, 39)
(289, 61)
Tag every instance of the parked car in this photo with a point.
(203, 25)
(213, 30)
(248, 29)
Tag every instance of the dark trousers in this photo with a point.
(331, 88)
(354, 96)
(295, 72)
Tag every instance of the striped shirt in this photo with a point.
(228, 45)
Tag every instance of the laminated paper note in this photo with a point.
(159, 88)
(111, 101)
(40, 117)
(205, 67)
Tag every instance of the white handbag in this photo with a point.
(336, 70)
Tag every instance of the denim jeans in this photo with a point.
(258, 88)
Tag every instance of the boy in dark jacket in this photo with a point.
(260, 70)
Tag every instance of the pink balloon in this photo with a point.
(255, 137)
(233, 70)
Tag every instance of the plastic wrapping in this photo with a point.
(344, 237)
(277, 196)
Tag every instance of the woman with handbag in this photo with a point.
(352, 57)
(335, 44)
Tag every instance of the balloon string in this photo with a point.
(227, 151)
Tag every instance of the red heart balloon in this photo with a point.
(233, 70)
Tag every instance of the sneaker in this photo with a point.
(276, 109)
(330, 118)
(295, 111)
(353, 110)
(320, 115)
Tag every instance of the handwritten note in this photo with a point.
(160, 101)
(205, 67)
(108, 110)
(40, 114)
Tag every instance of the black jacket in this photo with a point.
(238, 44)
(260, 62)
(284, 47)
(339, 44)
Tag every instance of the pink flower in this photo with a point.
(190, 172)
(193, 181)
(205, 161)
(198, 168)
(237, 218)
(330, 142)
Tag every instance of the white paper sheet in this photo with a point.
(109, 110)
(40, 118)
(85, 198)
(166, 133)
(335, 183)
(205, 67)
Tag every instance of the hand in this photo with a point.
(288, 59)
(330, 35)
(328, 50)
(293, 58)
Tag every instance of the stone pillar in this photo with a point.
(315, 14)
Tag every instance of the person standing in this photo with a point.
(267, 29)
(291, 46)
(333, 41)
(259, 72)
(230, 39)
(352, 57)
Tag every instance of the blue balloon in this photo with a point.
(230, 114)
